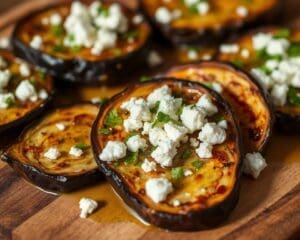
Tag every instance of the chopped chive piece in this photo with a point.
(177, 173)
(130, 135)
(145, 78)
(81, 146)
(131, 158)
(186, 153)
(113, 119)
(294, 50)
(293, 96)
(197, 164)
(104, 131)
(282, 33)
(57, 30)
(155, 108)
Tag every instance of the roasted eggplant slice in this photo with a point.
(55, 153)
(89, 42)
(206, 21)
(24, 91)
(272, 56)
(146, 141)
(247, 99)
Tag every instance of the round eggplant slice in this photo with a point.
(195, 193)
(206, 22)
(25, 91)
(248, 101)
(277, 72)
(106, 41)
(55, 153)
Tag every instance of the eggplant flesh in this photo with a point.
(249, 102)
(18, 113)
(210, 28)
(287, 116)
(63, 129)
(195, 212)
(79, 64)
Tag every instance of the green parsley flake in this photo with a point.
(113, 119)
(145, 78)
(197, 164)
(177, 173)
(81, 146)
(161, 118)
(131, 158)
(293, 96)
(155, 107)
(57, 30)
(282, 33)
(104, 131)
(186, 153)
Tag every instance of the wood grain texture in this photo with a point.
(269, 208)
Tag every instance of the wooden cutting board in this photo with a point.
(269, 208)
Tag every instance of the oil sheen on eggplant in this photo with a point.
(221, 174)
(18, 113)
(67, 172)
(190, 27)
(248, 101)
(78, 64)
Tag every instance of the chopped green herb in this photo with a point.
(131, 158)
(294, 50)
(264, 56)
(104, 11)
(219, 118)
(57, 30)
(237, 63)
(9, 101)
(177, 173)
(76, 48)
(193, 8)
(161, 118)
(145, 78)
(58, 48)
(42, 74)
(186, 153)
(130, 135)
(154, 109)
(104, 131)
(208, 84)
(71, 37)
(179, 111)
(117, 164)
(131, 35)
(81, 146)
(293, 96)
(282, 33)
(197, 164)
(113, 119)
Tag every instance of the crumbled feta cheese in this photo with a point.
(242, 11)
(170, 107)
(137, 19)
(136, 143)
(206, 103)
(148, 166)
(158, 94)
(261, 40)
(164, 153)
(24, 70)
(254, 163)
(204, 150)
(212, 133)
(223, 124)
(264, 80)
(87, 206)
(26, 91)
(271, 64)
(279, 77)
(295, 81)
(105, 39)
(43, 94)
(55, 19)
(229, 48)
(4, 42)
(6, 99)
(175, 132)
(206, 57)
(138, 109)
(4, 78)
(60, 126)
(187, 172)
(203, 8)
(163, 15)
(154, 59)
(245, 53)
(277, 47)
(52, 153)
(192, 54)
(131, 124)
(3, 63)
(192, 118)
(279, 94)
(157, 135)
(176, 203)
(76, 152)
(217, 87)
(114, 150)
(194, 142)
(158, 189)
(36, 42)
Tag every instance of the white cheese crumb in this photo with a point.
(157, 135)
(277, 47)
(212, 133)
(55, 19)
(194, 142)
(176, 203)
(279, 94)
(163, 15)
(206, 103)
(264, 80)
(245, 53)
(137, 19)
(203, 8)
(52, 153)
(158, 189)
(113, 151)
(4, 78)
(24, 70)
(207, 57)
(26, 91)
(217, 87)
(175, 132)
(76, 152)
(43, 94)
(60, 126)
(192, 55)
(136, 143)
(148, 166)
(223, 124)
(87, 206)
(204, 150)
(261, 40)
(36, 42)
(3, 63)
(4, 42)
(193, 118)
(158, 94)
(242, 11)
(154, 59)
(187, 172)
(146, 128)
(229, 48)
(170, 107)
(164, 153)
(131, 124)
(254, 164)
(6, 99)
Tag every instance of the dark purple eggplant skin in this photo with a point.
(80, 70)
(51, 182)
(287, 123)
(193, 221)
(209, 37)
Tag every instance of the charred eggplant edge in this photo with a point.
(47, 181)
(78, 70)
(194, 220)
